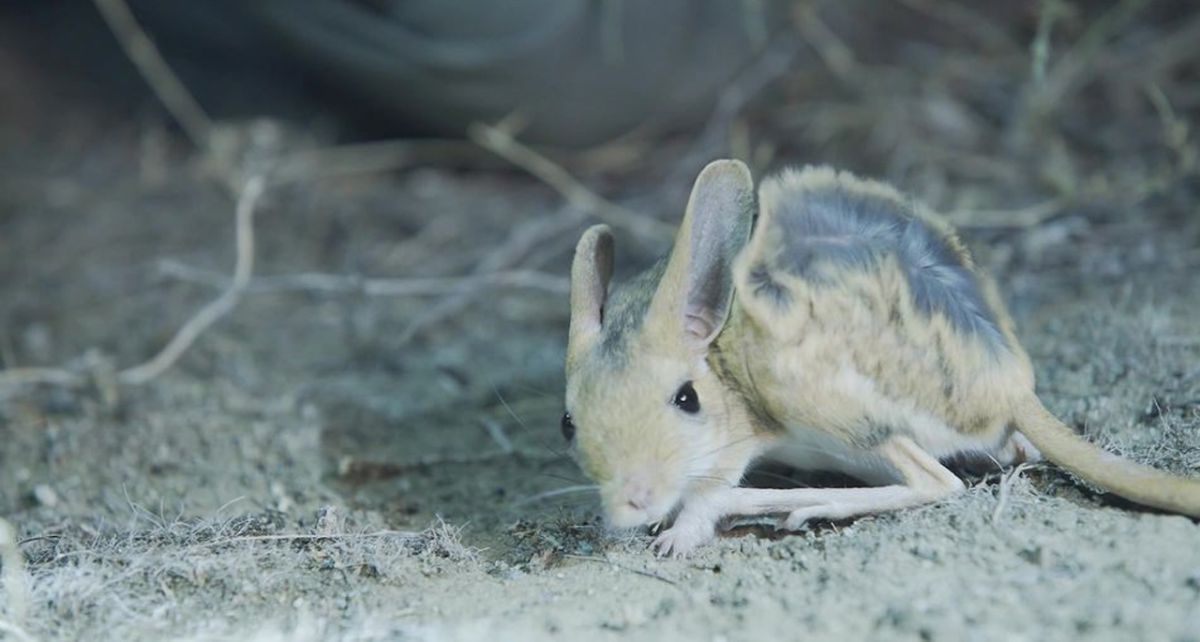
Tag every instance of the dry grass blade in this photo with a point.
(1006, 483)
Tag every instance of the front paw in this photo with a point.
(683, 537)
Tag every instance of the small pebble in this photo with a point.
(45, 496)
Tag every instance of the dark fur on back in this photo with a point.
(829, 226)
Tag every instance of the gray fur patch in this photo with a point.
(872, 434)
(626, 308)
(831, 227)
(763, 284)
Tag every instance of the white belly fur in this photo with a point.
(809, 448)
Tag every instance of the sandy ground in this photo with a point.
(308, 472)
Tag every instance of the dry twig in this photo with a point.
(221, 306)
(369, 157)
(1030, 216)
(157, 73)
(504, 145)
(838, 57)
(520, 242)
(773, 63)
(189, 331)
(381, 287)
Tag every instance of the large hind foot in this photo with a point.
(923, 480)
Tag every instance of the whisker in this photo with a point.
(537, 391)
(573, 480)
(769, 474)
(561, 454)
(525, 426)
(723, 447)
(711, 478)
(812, 449)
(508, 408)
(567, 490)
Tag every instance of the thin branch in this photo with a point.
(370, 157)
(1081, 61)
(502, 143)
(773, 63)
(460, 291)
(1175, 130)
(382, 287)
(189, 331)
(965, 18)
(1049, 12)
(519, 243)
(221, 306)
(154, 70)
(838, 57)
(1019, 217)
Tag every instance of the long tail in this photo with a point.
(1133, 481)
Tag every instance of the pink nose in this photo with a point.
(637, 495)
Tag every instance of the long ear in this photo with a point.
(590, 273)
(696, 292)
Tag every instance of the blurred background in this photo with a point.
(427, 167)
(436, 140)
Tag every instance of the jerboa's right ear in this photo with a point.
(590, 274)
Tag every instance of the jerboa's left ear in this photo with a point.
(696, 290)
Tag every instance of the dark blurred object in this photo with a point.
(577, 72)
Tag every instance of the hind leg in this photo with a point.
(924, 480)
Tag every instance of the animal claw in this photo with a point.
(681, 539)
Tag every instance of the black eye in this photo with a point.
(686, 399)
(568, 427)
